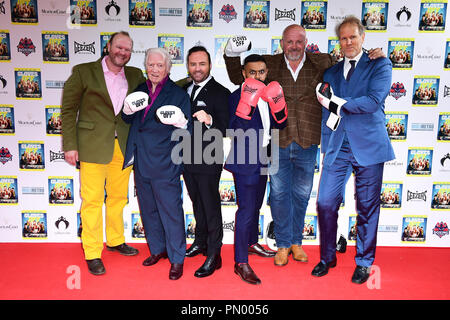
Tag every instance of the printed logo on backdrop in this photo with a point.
(388, 228)
(227, 13)
(5, 155)
(24, 12)
(310, 227)
(441, 229)
(5, 46)
(441, 196)
(190, 225)
(8, 190)
(54, 84)
(417, 126)
(403, 16)
(57, 156)
(314, 15)
(432, 16)
(62, 224)
(112, 9)
(374, 15)
(285, 15)
(313, 48)
(26, 46)
(60, 190)
(32, 190)
(3, 81)
(137, 229)
(396, 125)
(7, 126)
(416, 196)
(2, 7)
(53, 120)
(228, 226)
(170, 12)
(334, 48)
(397, 90)
(446, 91)
(84, 48)
(174, 44)
(445, 161)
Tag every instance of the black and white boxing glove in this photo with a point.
(236, 45)
(333, 103)
(172, 115)
(134, 102)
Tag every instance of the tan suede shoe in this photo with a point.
(298, 253)
(281, 258)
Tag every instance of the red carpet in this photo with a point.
(40, 271)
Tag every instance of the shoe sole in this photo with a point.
(97, 273)
(254, 283)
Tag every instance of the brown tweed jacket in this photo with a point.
(304, 111)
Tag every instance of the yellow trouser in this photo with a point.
(94, 180)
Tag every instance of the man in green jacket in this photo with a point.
(95, 135)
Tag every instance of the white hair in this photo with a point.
(161, 51)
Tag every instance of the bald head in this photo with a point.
(294, 42)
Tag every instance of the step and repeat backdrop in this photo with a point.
(41, 40)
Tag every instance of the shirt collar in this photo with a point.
(347, 60)
(107, 71)
(202, 84)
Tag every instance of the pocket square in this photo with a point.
(201, 104)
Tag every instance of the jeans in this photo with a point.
(290, 189)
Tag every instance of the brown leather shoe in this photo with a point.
(281, 258)
(298, 253)
(176, 271)
(246, 273)
(260, 251)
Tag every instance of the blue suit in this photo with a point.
(157, 178)
(361, 140)
(245, 163)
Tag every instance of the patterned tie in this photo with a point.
(193, 92)
(352, 68)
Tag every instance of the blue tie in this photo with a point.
(352, 68)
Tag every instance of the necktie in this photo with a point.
(193, 91)
(352, 68)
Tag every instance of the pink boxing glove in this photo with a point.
(252, 90)
(274, 95)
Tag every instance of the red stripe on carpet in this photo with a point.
(40, 271)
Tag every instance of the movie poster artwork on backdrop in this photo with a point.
(219, 47)
(432, 15)
(426, 91)
(32, 155)
(334, 48)
(352, 231)
(34, 224)
(310, 227)
(190, 224)
(104, 38)
(141, 13)
(8, 190)
(275, 45)
(227, 192)
(414, 228)
(137, 228)
(401, 53)
(374, 15)
(441, 196)
(256, 14)
(83, 12)
(444, 127)
(174, 44)
(419, 161)
(397, 125)
(199, 13)
(391, 195)
(28, 83)
(314, 15)
(60, 190)
(446, 56)
(55, 46)
(7, 126)
(5, 46)
(53, 120)
(24, 11)
(261, 226)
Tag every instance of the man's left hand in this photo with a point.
(203, 117)
(376, 53)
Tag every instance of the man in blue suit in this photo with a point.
(353, 133)
(254, 110)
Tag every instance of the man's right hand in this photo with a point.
(134, 102)
(71, 157)
(251, 91)
(236, 45)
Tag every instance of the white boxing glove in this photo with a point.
(134, 102)
(236, 45)
(172, 115)
(333, 103)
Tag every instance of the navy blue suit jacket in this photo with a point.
(244, 151)
(363, 117)
(149, 141)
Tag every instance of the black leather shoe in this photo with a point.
(194, 250)
(124, 249)
(176, 271)
(212, 263)
(361, 274)
(321, 268)
(96, 266)
(246, 273)
(341, 245)
(154, 258)
(261, 251)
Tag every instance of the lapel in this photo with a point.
(162, 96)
(360, 68)
(201, 96)
(98, 71)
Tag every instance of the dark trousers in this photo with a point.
(203, 190)
(250, 191)
(162, 215)
(368, 181)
